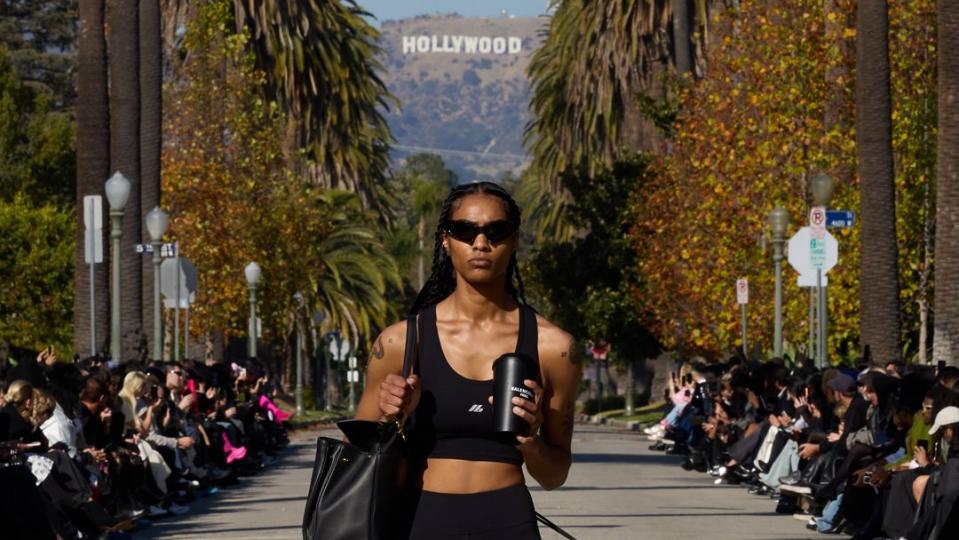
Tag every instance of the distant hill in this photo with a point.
(463, 89)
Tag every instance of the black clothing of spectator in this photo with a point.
(14, 427)
(94, 432)
(854, 419)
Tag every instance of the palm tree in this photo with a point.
(357, 271)
(319, 57)
(125, 157)
(544, 213)
(879, 301)
(151, 107)
(588, 80)
(93, 166)
(682, 44)
(947, 196)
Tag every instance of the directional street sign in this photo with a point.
(840, 219)
(339, 348)
(166, 250)
(800, 258)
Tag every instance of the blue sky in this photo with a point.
(400, 9)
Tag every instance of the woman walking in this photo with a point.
(471, 311)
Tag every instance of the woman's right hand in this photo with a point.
(399, 395)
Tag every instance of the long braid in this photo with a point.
(520, 291)
(442, 281)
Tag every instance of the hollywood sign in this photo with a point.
(462, 44)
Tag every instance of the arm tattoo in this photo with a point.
(574, 354)
(378, 351)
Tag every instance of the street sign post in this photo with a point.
(178, 283)
(93, 254)
(817, 259)
(742, 298)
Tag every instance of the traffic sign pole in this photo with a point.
(778, 306)
(745, 345)
(823, 324)
(811, 348)
(742, 298)
(91, 238)
(176, 309)
(817, 259)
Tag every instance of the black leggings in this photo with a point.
(494, 515)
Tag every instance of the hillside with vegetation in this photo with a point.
(469, 108)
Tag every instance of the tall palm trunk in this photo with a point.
(682, 44)
(151, 110)
(93, 168)
(946, 326)
(879, 295)
(125, 157)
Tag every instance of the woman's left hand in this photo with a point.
(529, 410)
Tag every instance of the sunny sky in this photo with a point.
(400, 9)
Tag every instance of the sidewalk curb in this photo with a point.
(311, 424)
(595, 419)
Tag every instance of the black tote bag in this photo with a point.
(357, 488)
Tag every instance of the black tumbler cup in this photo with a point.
(509, 372)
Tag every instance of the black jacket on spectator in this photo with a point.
(854, 419)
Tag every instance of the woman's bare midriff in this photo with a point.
(461, 476)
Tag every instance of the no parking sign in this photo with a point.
(742, 291)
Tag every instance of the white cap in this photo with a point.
(948, 415)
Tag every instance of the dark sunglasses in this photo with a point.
(467, 231)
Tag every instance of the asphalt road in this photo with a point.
(616, 489)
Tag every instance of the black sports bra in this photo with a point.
(454, 419)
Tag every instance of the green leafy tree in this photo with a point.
(36, 142)
(419, 188)
(36, 298)
(40, 36)
(233, 198)
(746, 138)
(585, 283)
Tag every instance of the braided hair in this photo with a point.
(442, 280)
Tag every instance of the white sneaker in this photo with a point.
(798, 490)
(178, 510)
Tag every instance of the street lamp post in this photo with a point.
(778, 223)
(298, 393)
(118, 191)
(157, 221)
(252, 272)
(822, 187)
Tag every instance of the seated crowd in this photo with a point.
(869, 452)
(89, 448)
